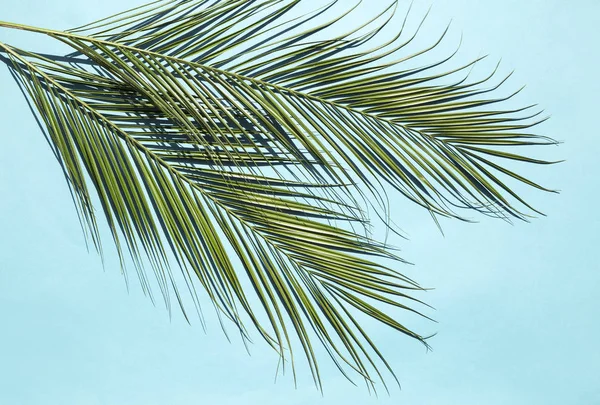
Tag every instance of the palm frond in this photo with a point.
(214, 130)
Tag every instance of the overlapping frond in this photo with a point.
(235, 139)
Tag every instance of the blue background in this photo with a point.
(517, 306)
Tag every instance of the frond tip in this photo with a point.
(233, 141)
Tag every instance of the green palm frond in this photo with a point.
(233, 140)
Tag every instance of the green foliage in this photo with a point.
(228, 140)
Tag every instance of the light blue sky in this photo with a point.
(517, 306)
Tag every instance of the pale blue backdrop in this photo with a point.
(517, 306)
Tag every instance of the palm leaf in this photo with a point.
(227, 138)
